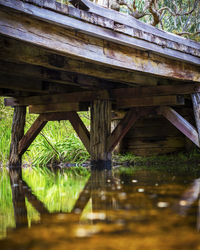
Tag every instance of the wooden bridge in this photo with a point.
(60, 59)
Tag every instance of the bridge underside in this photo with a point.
(56, 70)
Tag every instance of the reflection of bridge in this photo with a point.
(58, 60)
(114, 205)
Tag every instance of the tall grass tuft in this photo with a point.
(56, 143)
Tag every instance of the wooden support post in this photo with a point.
(17, 133)
(196, 106)
(180, 123)
(31, 134)
(99, 133)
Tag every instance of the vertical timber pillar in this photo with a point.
(18, 124)
(99, 134)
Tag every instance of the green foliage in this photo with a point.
(58, 192)
(57, 142)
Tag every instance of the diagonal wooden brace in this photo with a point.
(196, 107)
(125, 124)
(31, 134)
(80, 129)
(180, 123)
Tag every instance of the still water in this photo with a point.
(124, 209)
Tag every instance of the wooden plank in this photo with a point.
(149, 101)
(180, 123)
(58, 116)
(124, 125)
(119, 94)
(155, 91)
(73, 23)
(22, 84)
(80, 129)
(196, 107)
(153, 151)
(39, 56)
(59, 107)
(155, 141)
(99, 133)
(84, 96)
(87, 48)
(31, 134)
(52, 75)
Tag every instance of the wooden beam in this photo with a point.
(180, 123)
(94, 49)
(143, 40)
(53, 75)
(80, 129)
(58, 116)
(21, 83)
(59, 107)
(196, 107)
(31, 134)
(124, 125)
(99, 133)
(83, 96)
(162, 90)
(115, 94)
(41, 57)
(149, 101)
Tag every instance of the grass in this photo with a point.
(56, 143)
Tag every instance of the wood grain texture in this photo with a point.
(180, 123)
(31, 134)
(80, 129)
(59, 107)
(149, 101)
(114, 94)
(196, 107)
(86, 48)
(17, 133)
(100, 130)
(145, 37)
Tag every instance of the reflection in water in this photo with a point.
(191, 195)
(132, 211)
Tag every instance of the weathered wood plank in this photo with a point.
(196, 107)
(38, 56)
(31, 134)
(154, 142)
(59, 107)
(99, 133)
(80, 129)
(153, 151)
(58, 116)
(22, 84)
(180, 123)
(147, 41)
(115, 94)
(149, 101)
(180, 89)
(92, 49)
(17, 133)
(84, 96)
(53, 76)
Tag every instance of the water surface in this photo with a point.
(124, 209)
